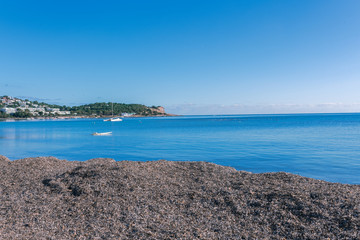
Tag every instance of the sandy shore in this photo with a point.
(47, 198)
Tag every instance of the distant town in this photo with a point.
(12, 107)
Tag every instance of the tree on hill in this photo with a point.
(4, 115)
(22, 114)
(103, 108)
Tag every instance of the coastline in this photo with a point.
(100, 198)
(82, 117)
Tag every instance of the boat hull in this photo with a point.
(101, 134)
(113, 120)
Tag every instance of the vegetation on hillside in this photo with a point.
(103, 108)
(94, 109)
(4, 115)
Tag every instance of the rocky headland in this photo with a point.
(48, 198)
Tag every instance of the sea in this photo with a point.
(320, 146)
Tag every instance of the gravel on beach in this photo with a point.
(48, 198)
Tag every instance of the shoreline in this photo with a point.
(81, 117)
(47, 197)
(175, 115)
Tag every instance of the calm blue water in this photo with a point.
(322, 146)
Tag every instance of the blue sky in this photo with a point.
(193, 57)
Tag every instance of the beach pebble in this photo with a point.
(48, 198)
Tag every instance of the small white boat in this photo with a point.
(101, 134)
(115, 119)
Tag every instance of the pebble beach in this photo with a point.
(48, 198)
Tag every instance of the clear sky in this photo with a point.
(193, 57)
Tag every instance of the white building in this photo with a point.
(8, 110)
(63, 112)
(57, 111)
(127, 114)
(53, 109)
